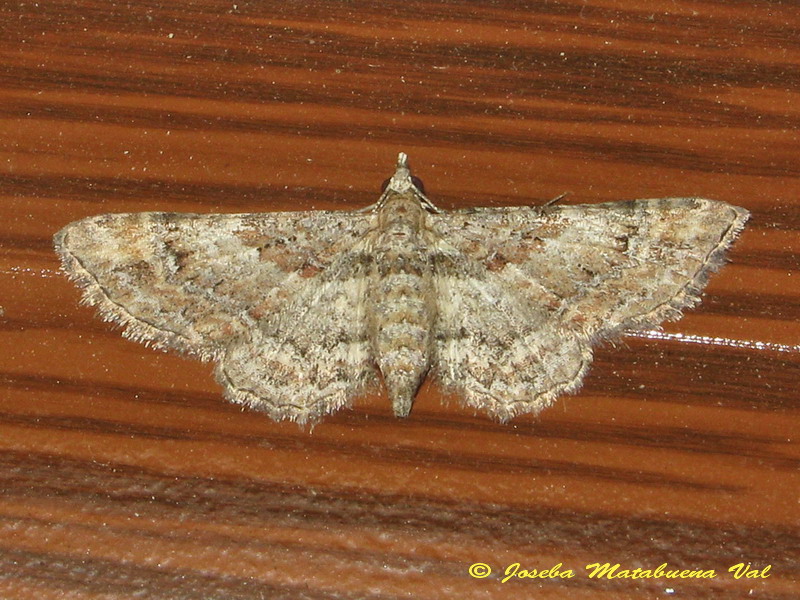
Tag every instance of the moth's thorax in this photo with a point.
(401, 212)
(402, 307)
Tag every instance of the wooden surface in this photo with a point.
(125, 473)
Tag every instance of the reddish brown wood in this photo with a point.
(125, 474)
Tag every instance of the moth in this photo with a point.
(305, 311)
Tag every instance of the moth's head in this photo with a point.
(403, 180)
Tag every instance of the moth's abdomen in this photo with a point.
(401, 317)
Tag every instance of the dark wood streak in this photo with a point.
(710, 113)
(110, 491)
(770, 306)
(725, 375)
(784, 260)
(39, 475)
(471, 463)
(98, 576)
(682, 440)
(99, 189)
(636, 153)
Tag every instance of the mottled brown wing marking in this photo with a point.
(601, 268)
(527, 290)
(314, 357)
(496, 345)
(193, 282)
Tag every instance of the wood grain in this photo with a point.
(125, 474)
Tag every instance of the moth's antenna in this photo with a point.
(554, 200)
